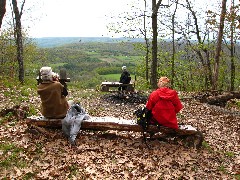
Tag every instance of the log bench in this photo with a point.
(192, 135)
(105, 86)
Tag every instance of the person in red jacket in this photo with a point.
(164, 104)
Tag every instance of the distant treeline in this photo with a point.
(89, 63)
(47, 42)
(86, 62)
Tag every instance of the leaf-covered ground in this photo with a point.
(117, 155)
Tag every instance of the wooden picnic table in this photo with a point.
(105, 86)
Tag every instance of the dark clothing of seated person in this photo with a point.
(52, 94)
(125, 78)
(164, 104)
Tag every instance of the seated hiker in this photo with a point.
(125, 78)
(52, 94)
(164, 104)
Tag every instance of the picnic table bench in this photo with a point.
(187, 132)
(105, 86)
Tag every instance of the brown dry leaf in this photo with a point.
(123, 155)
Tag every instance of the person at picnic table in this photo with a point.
(52, 94)
(125, 78)
(164, 104)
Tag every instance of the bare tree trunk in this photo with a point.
(206, 65)
(219, 46)
(147, 43)
(232, 66)
(173, 44)
(147, 57)
(18, 38)
(154, 66)
(2, 10)
(232, 48)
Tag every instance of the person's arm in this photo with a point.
(121, 78)
(150, 103)
(64, 92)
(177, 103)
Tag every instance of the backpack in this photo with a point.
(143, 119)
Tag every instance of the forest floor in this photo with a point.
(118, 155)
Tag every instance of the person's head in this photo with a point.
(163, 82)
(124, 68)
(55, 76)
(46, 73)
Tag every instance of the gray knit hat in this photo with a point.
(46, 73)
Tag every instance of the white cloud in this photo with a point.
(74, 17)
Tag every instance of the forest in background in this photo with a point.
(201, 55)
(48, 42)
(90, 63)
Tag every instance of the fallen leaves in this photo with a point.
(122, 155)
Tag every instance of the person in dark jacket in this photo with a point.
(125, 78)
(52, 94)
(164, 104)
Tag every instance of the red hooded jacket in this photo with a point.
(165, 104)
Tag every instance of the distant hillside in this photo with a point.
(48, 42)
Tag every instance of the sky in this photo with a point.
(71, 18)
(74, 18)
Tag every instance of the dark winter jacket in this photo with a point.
(125, 77)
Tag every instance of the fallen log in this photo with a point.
(110, 123)
(20, 112)
(189, 134)
(222, 99)
(218, 98)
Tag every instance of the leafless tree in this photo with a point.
(2, 10)
(232, 47)
(155, 8)
(173, 43)
(233, 33)
(131, 26)
(147, 44)
(219, 45)
(18, 38)
(202, 52)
